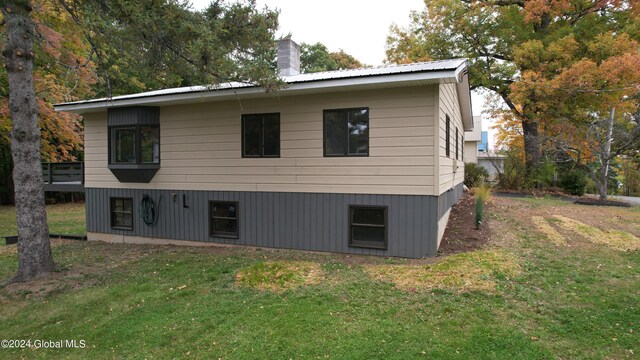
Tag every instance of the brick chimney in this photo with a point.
(288, 57)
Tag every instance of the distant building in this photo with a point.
(476, 149)
(472, 141)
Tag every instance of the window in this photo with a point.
(122, 213)
(457, 144)
(447, 137)
(135, 145)
(223, 219)
(261, 135)
(368, 226)
(346, 132)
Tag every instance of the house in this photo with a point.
(360, 161)
(476, 150)
(472, 140)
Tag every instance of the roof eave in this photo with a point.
(318, 86)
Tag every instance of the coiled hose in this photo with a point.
(148, 211)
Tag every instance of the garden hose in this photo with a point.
(148, 211)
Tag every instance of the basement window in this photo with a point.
(122, 213)
(223, 219)
(346, 132)
(368, 226)
(261, 135)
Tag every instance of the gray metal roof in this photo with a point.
(432, 72)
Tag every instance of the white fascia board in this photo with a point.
(414, 78)
(464, 95)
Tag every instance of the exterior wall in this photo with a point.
(450, 171)
(471, 152)
(305, 221)
(200, 146)
(493, 164)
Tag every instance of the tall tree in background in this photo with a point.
(162, 40)
(586, 92)
(316, 57)
(493, 34)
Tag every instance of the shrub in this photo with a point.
(475, 175)
(574, 182)
(483, 193)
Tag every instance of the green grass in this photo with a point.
(129, 301)
(68, 219)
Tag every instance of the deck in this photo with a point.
(63, 177)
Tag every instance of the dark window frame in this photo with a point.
(138, 145)
(369, 244)
(242, 136)
(457, 144)
(112, 213)
(346, 150)
(447, 136)
(225, 235)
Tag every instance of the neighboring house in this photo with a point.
(358, 161)
(493, 163)
(472, 139)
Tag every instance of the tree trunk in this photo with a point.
(606, 157)
(532, 151)
(34, 249)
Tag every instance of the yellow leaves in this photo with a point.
(607, 45)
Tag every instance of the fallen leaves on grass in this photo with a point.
(9, 249)
(549, 231)
(278, 275)
(473, 271)
(616, 239)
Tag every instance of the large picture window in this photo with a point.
(346, 132)
(261, 135)
(135, 145)
(223, 219)
(368, 226)
(122, 213)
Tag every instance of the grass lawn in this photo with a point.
(522, 295)
(68, 219)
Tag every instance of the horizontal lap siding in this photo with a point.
(305, 221)
(448, 105)
(201, 146)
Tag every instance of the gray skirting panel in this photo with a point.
(305, 221)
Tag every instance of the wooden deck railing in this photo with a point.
(67, 176)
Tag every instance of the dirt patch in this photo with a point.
(472, 271)
(461, 234)
(78, 266)
(279, 275)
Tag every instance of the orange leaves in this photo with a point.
(535, 10)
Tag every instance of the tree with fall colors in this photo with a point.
(510, 44)
(163, 40)
(316, 57)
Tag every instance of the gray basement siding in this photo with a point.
(304, 221)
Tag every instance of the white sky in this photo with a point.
(359, 27)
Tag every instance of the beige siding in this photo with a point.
(450, 170)
(201, 146)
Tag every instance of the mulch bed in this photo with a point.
(461, 234)
(597, 202)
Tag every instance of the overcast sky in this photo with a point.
(359, 27)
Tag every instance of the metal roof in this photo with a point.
(432, 72)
